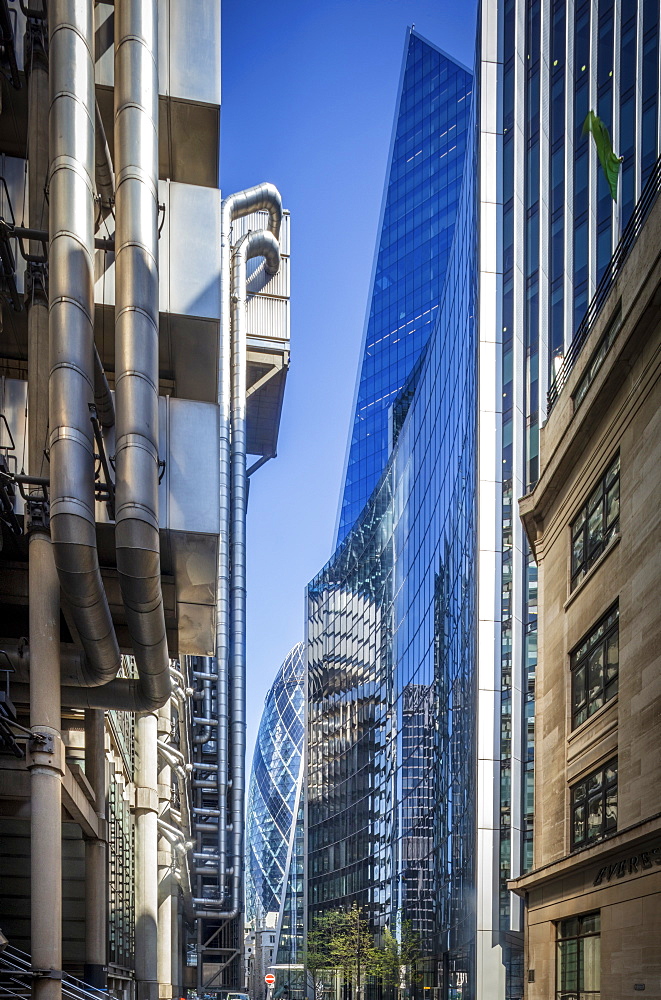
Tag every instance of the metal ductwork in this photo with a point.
(136, 343)
(257, 244)
(230, 607)
(77, 377)
(71, 334)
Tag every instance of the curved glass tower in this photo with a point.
(274, 794)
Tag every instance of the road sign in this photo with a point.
(269, 979)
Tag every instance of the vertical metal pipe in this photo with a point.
(146, 858)
(165, 881)
(71, 288)
(262, 196)
(36, 67)
(256, 244)
(136, 341)
(96, 868)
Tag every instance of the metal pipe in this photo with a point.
(104, 173)
(261, 197)
(105, 408)
(96, 873)
(36, 69)
(71, 277)
(136, 342)
(256, 244)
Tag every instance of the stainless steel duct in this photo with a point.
(261, 197)
(136, 342)
(71, 334)
(256, 244)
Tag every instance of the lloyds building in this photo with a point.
(422, 627)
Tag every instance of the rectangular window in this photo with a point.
(579, 958)
(594, 806)
(594, 668)
(597, 523)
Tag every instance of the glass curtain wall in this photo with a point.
(391, 632)
(273, 863)
(413, 249)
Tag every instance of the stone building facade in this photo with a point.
(593, 896)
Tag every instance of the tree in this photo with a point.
(352, 948)
(342, 940)
(400, 958)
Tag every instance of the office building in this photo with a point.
(128, 354)
(593, 893)
(548, 228)
(391, 632)
(273, 835)
(410, 263)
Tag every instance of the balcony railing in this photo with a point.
(617, 261)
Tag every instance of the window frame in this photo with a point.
(579, 936)
(599, 636)
(606, 790)
(595, 507)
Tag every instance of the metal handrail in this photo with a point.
(631, 232)
(15, 965)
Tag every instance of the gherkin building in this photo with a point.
(274, 872)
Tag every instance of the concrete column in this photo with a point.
(46, 763)
(166, 883)
(46, 751)
(175, 944)
(146, 858)
(96, 853)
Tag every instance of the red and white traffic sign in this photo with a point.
(269, 979)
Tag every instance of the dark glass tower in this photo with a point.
(419, 213)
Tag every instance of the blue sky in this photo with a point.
(309, 92)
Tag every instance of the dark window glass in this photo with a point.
(597, 523)
(594, 806)
(579, 958)
(595, 668)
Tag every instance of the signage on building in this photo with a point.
(629, 866)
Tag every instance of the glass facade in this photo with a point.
(419, 213)
(391, 633)
(273, 837)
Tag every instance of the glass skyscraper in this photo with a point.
(422, 628)
(413, 249)
(274, 816)
(391, 641)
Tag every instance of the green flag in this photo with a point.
(610, 163)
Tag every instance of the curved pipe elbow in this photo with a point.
(261, 197)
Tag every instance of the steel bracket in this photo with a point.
(37, 514)
(42, 743)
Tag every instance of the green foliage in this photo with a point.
(342, 939)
